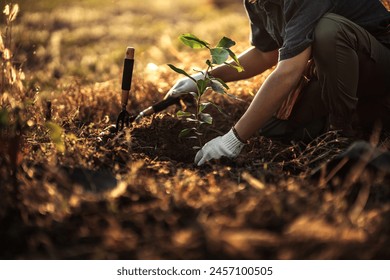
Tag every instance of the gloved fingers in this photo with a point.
(181, 87)
(217, 86)
(207, 152)
(198, 158)
(205, 155)
(171, 93)
(204, 159)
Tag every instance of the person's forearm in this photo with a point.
(271, 95)
(253, 61)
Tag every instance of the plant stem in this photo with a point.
(198, 104)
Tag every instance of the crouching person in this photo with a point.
(348, 41)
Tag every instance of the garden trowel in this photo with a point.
(124, 118)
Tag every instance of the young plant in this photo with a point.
(218, 55)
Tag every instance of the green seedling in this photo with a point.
(218, 55)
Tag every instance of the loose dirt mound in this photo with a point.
(262, 205)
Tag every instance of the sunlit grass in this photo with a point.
(86, 40)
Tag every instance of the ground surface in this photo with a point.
(137, 194)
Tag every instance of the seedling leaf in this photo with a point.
(226, 43)
(182, 114)
(202, 85)
(221, 82)
(238, 67)
(181, 71)
(219, 109)
(219, 55)
(193, 42)
(203, 106)
(207, 118)
(217, 86)
(191, 120)
(185, 132)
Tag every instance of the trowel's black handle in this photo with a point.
(127, 75)
(128, 66)
(158, 107)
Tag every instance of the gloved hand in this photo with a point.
(184, 86)
(227, 145)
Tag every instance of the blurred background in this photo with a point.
(57, 41)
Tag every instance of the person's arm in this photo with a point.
(272, 93)
(268, 99)
(252, 60)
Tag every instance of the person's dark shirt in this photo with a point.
(288, 25)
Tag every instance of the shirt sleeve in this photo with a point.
(259, 37)
(301, 17)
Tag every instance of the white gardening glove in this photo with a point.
(227, 145)
(184, 86)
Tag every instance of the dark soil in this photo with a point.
(156, 204)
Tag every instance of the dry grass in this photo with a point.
(157, 204)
